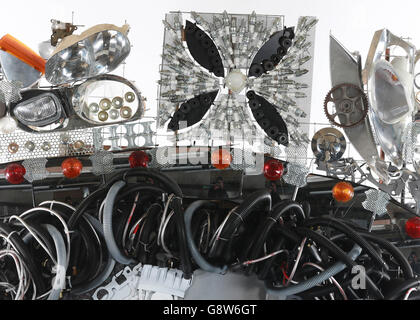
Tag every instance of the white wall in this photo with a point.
(352, 22)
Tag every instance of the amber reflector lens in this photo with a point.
(343, 192)
(15, 173)
(221, 159)
(273, 170)
(412, 228)
(138, 159)
(71, 168)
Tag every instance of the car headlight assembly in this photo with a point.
(38, 110)
(97, 51)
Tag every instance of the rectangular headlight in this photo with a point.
(39, 111)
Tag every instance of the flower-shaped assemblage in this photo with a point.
(244, 76)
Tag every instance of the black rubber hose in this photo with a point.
(26, 256)
(198, 258)
(394, 251)
(399, 290)
(269, 263)
(239, 216)
(270, 221)
(351, 234)
(143, 241)
(40, 232)
(338, 254)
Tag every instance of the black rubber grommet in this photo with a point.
(276, 58)
(265, 123)
(259, 114)
(190, 28)
(268, 65)
(205, 100)
(212, 52)
(194, 103)
(199, 34)
(254, 104)
(285, 42)
(256, 70)
(185, 107)
(206, 43)
(273, 132)
(251, 95)
(281, 51)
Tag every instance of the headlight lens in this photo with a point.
(39, 111)
(95, 53)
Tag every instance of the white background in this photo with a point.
(353, 22)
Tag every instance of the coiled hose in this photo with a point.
(106, 271)
(198, 258)
(107, 224)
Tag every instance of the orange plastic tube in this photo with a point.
(22, 52)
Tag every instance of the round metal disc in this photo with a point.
(328, 145)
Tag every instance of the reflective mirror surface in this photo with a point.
(93, 54)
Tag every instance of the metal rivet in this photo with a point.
(13, 147)
(79, 145)
(46, 146)
(105, 104)
(30, 146)
(117, 102)
(103, 116)
(114, 114)
(94, 107)
(130, 97)
(125, 112)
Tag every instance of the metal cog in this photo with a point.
(348, 105)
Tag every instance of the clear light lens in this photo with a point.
(39, 111)
(93, 55)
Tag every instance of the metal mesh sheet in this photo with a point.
(376, 202)
(102, 162)
(57, 148)
(35, 169)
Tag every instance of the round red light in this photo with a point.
(221, 159)
(343, 192)
(273, 170)
(412, 228)
(71, 168)
(15, 173)
(138, 159)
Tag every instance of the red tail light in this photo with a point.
(71, 168)
(15, 173)
(139, 159)
(412, 228)
(273, 170)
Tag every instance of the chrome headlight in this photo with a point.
(97, 51)
(39, 111)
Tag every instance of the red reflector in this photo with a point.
(71, 168)
(412, 228)
(138, 159)
(15, 173)
(273, 170)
